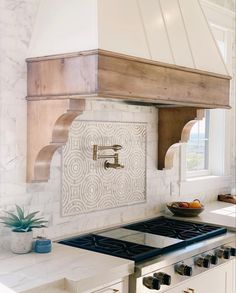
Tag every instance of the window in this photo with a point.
(197, 150)
(198, 156)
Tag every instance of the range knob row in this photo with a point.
(226, 252)
(158, 279)
(213, 259)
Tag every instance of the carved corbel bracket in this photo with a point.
(174, 126)
(48, 127)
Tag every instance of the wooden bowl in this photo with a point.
(184, 212)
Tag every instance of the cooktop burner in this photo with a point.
(145, 239)
(113, 247)
(190, 232)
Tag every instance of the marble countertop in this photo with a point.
(216, 213)
(64, 265)
(5, 289)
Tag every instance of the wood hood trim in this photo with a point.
(106, 74)
(57, 87)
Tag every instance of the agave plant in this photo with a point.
(19, 222)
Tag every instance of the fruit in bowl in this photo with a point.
(186, 209)
(196, 204)
(183, 205)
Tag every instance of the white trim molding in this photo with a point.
(218, 14)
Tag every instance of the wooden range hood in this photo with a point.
(59, 85)
(157, 51)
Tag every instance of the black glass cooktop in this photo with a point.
(145, 239)
(113, 247)
(187, 231)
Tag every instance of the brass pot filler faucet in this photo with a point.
(107, 165)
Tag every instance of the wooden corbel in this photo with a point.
(48, 127)
(174, 126)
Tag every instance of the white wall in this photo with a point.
(16, 22)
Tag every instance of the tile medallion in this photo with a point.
(86, 185)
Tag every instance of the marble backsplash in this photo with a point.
(16, 22)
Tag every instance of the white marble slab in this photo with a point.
(5, 289)
(63, 265)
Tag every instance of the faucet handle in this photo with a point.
(108, 165)
(117, 147)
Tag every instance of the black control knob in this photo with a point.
(184, 270)
(233, 251)
(203, 262)
(151, 283)
(226, 254)
(219, 253)
(213, 259)
(164, 279)
(223, 253)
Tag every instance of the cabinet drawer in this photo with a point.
(116, 288)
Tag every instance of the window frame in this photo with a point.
(215, 149)
(205, 171)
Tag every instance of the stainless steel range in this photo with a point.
(166, 251)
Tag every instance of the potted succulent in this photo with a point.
(21, 226)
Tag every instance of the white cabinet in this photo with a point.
(218, 280)
(118, 286)
(114, 288)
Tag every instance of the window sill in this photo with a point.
(202, 184)
(198, 174)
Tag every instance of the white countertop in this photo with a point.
(64, 265)
(216, 213)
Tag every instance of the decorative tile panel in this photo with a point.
(86, 185)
